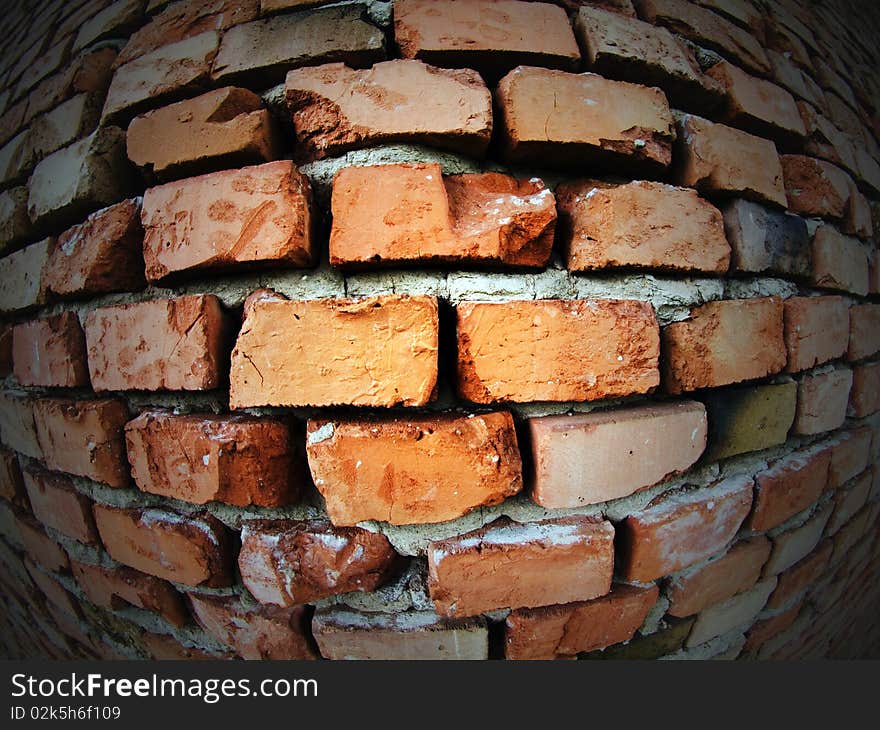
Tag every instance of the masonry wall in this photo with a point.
(500, 329)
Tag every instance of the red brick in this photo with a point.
(193, 551)
(376, 351)
(850, 455)
(226, 127)
(706, 29)
(724, 342)
(734, 572)
(345, 634)
(167, 648)
(605, 455)
(22, 277)
(84, 438)
(102, 255)
(556, 350)
(56, 503)
(794, 545)
(816, 330)
(758, 106)
(864, 331)
(51, 352)
(788, 486)
(677, 531)
(40, 547)
(284, 562)
(486, 218)
(512, 565)
(796, 579)
(492, 36)
(238, 459)
(621, 47)
(164, 344)
(619, 125)
(815, 187)
(11, 484)
(847, 502)
(564, 631)
(864, 398)
(731, 615)
(116, 588)
(253, 215)
(822, 401)
(720, 160)
(260, 632)
(765, 629)
(409, 471)
(642, 225)
(17, 428)
(336, 109)
(54, 592)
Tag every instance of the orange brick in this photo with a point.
(724, 342)
(815, 187)
(816, 330)
(564, 631)
(56, 503)
(193, 551)
(642, 225)
(511, 565)
(822, 401)
(789, 486)
(556, 350)
(51, 352)
(682, 529)
(485, 218)
(376, 351)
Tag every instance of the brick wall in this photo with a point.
(437, 329)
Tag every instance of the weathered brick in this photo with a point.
(17, 428)
(90, 72)
(765, 629)
(377, 351)
(11, 484)
(766, 240)
(166, 648)
(850, 455)
(50, 352)
(284, 562)
(56, 503)
(621, 125)
(80, 178)
(795, 544)
(224, 128)
(858, 220)
(816, 330)
(66, 123)
(40, 547)
(407, 471)
(552, 632)
(848, 536)
(336, 109)
(193, 551)
(84, 438)
(822, 399)
(182, 20)
(172, 71)
(116, 20)
(706, 28)
(485, 218)
(119, 587)
(758, 106)
(260, 52)
(847, 502)
(237, 459)
(6, 364)
(101, 255)
(22, 277)
(720, 160)
(15, 225)
(650, 646)
(864, 331)
(253, 215)
(261, 632)
(788, 486)
(512, 565)
(864, 397)
(734, 572)
(815, 187)
(840, 262)
(16, 159)
(724, 342)
(164, 344)
(556, 350)
(680, 530)
(799, 577)
(345, 634)
(739, 611)
(640, 224)
(54, 592)
(605, 455)
(788, 74)
(491, 36)
(621, 47)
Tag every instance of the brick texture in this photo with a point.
(50, 352)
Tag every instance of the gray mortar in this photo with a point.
(713, 647)
(654, 620)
